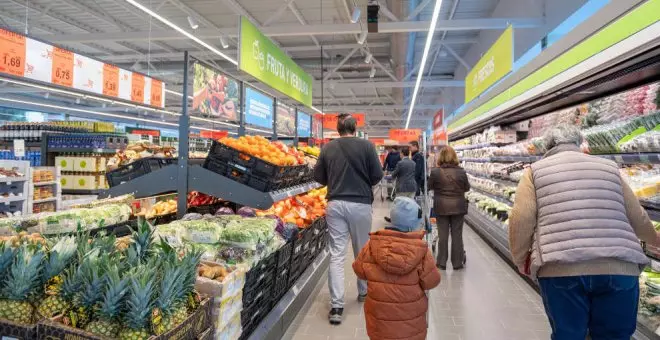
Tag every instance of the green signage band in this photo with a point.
(496, 63)
(262, 59)
(636, 20)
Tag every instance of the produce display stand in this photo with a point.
(308, 260)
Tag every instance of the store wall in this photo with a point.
(553, 11)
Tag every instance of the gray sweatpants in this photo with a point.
(345, 219)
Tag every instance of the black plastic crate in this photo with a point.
(256, 312)
(135, 169)
(257, 273)
(301, 243)
(280, 284)
(284, 256)
(256, 295)
(216, 165)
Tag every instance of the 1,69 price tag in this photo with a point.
(12, 53)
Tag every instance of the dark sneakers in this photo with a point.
(335, 316)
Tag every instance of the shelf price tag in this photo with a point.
(62, 67)
(12, 53)
(137, 88)
(19, 147)
(110, 80)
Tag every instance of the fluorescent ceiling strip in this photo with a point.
(83, 95)
(427, 48)
(182, 31)
(317, 110)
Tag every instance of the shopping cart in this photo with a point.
(387, 188)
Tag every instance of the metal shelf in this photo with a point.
(513, 159)
(632, 158)
(7, 200)
(83, 150)
(493, 196)
(10, 180)
(41, 184)
(49, 199)
(207, 182)
(82, 191)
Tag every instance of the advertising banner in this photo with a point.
(258, 108)
(330, 120)
(215, 94)
(317, 126)
(405, 136)
(304, 125)
(21, 56)
(438, 119)
(493, 65)
(286, 120)
(142, 132)
(262, 59)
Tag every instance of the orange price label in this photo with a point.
(62, 67)
(156, 93)
(404, 136)
(330, 120)
(110, 80)
(12, 53)
(137, 88)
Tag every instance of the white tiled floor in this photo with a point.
(487, 300)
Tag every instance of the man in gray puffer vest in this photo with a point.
(575, 227)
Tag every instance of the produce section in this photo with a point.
(622, 128)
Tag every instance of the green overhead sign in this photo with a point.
(496, 63)
(636, 20)
(262, 59)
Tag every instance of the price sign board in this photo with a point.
(21, 56)
(137, 87)
(38, 61)
(213, 134)
(62, 67)
(110, 80)
(12, 53)
(405, 135)
(330, 120)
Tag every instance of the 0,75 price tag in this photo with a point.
(62, 67)
(12, 53)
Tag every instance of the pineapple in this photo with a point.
(170, 290)
(107, 324)
(189, 300)
(72, 282)
(60, 256)
(93, 278)
(6, 257)
(20, 283)
(140, 249)
(139, 303)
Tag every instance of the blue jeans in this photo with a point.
(605, 306)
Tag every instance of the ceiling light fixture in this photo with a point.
(193, 22)
(427, 48)
(317, 110)
(181, 30)
(367, 59)
(443, 53)
(362, 38)
(355, 16)
(223, 41)
(372, 73)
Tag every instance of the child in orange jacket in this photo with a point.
(399, 268)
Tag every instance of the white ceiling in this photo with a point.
(117, 32)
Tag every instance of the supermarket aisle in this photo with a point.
(486, 301)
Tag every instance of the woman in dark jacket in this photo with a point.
(449, 183)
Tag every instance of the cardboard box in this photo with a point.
(197, 323)
(65, 163)
(225, 309)
(231, 331)
(85, 164)
(66, 181)
(84, 182)
(12, 330)
(230, 286)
